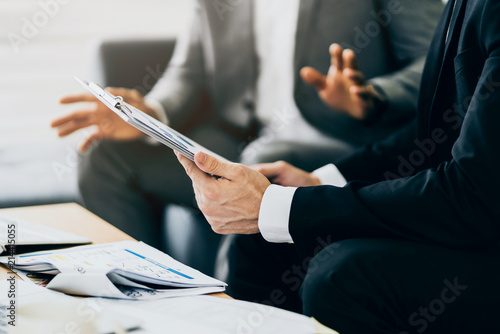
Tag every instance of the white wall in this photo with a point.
(35, 73)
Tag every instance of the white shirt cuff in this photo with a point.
(160, 115)
(330, 175)
(275, 213)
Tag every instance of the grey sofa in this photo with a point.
(138, 64)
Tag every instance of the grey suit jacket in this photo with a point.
(216, 53)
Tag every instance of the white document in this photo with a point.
(39, 310)
(127, 269)
(30, 234)
(147, 124)
(210, 315)
(43, 311)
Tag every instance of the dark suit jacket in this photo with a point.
(438, 180)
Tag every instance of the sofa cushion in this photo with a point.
(37, 174)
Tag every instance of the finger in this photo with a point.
(75, 116)
(259, 167)
(357, 77)
(71, 127)
(91, 140)
(213, 166)
(268, 170)
(336, 54)
(313, 78)
(192, 170)
(363, 92)
(350, 60)
(116, 90)
(126, 93)
(77, 98)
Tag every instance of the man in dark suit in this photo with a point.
(235, 71)
(411, 244)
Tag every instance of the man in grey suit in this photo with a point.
(248, 58)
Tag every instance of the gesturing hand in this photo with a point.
(109, 125)
(284, 174)
(344, 88)
(230, 203)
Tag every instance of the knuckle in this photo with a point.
(281, 164)
(204, 208)
(135, 94)
(189, 170)
(218, 229)
(239, 170)
(210, 193)
(213, 165)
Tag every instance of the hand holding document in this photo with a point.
(127, 269)
(101, 122)
(147, 124)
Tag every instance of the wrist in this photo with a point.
(380, 105)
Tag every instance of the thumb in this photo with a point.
(213, 166)
(313, 78)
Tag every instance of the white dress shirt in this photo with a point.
(275, 29)
(275, 26)
(276, 205)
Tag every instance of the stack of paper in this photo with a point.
(127, 269)
(26, 236)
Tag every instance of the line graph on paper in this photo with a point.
(105, 258)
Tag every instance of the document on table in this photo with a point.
(127, 269)
(210, 315)
(43, 311)
(39, 310)
(28, 236)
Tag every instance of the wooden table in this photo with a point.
(71, 218)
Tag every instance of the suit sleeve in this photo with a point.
(180, 87)
(381, 161)
(410, 31)
(456, 204)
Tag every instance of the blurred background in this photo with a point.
(43, 45)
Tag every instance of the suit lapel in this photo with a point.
(308, 9)
(453, 24)
(436, 60)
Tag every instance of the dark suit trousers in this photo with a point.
(373, 285)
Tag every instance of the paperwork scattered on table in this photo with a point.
(211, 315)
(39, 310)
(126, 269)
(27, 236)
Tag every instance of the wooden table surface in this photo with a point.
(72, 218)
